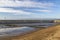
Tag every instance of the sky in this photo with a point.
(29, 9)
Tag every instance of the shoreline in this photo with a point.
(22, 35)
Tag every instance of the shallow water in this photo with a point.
(14, 31)
(37, 24)
(7, 31)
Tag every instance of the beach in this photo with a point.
(50, 33)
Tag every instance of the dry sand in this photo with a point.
(51, 33)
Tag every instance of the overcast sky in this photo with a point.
(29, 9)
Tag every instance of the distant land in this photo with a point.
(34, 19)
(24, 21)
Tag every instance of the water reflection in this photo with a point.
(14, 31)
(9, 31)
